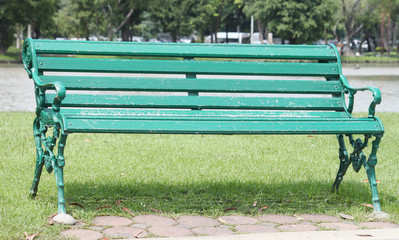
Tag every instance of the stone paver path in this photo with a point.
(147, 226)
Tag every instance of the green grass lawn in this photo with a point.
(370, 59)
(187, 174)
(13, 55)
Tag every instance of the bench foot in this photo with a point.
(380, 215)
(64, 219)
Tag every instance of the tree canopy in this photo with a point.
(298, 21)
(12, 13)
(293, 20)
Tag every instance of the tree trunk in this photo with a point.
(217, 25)
(3, 39)
(351, 30)
(111, 32)
(369, 49)
(29, 30)
(227, 33)
(19, 36)
(382, 28)
(361, 43)
(374, 42)
(335, 32)
(395, 33)
(37, 33)
(96, 28)
(325, 36)
(87, 31)
(260, 30)
(202, 36)
(389, 34)
(347, 51)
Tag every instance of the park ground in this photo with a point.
(176, 175)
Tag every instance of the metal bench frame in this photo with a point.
(67, 111)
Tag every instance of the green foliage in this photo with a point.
(202, 14)
(41, 18)
(183, 17)
(13, 54)
(299, 21)
(170, 15)
(83, 18)
(296, 21)
(357, 16)
(118, 13)
(11, 14)
(65, 18)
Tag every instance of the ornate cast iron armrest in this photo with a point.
(60, 95)
(351, 90)
(59, 86)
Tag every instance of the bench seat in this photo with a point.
(213, 122)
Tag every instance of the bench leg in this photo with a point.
(344, 163)
(58, 166)
(369, 166)
(357, 159)
(39, 158)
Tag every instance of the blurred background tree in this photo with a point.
(361, 25)
(13, 14)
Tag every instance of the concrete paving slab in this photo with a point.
(154, 220)
(371, 234)
(81, 234)
(197, 221)
(114, 221)
(170, 231)
(125, 232)
(254, 229)
(213, 231)
(281, 219)
(236, 219)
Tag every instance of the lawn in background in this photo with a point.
(210, 175)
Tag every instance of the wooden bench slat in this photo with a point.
(186, 67)
(224, 127)
(319, 52)
(200, 85)
(177, 114)
(205, 102)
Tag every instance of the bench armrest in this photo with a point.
(59, 86)
(60, 95)
(352, 90)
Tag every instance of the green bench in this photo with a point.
(159, 88)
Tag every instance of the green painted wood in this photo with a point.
(203, 102)
(315, 52)
(205, 115)
(186, 67)
(193, 84)
(99, 111)
(223, 127)
(180, 114)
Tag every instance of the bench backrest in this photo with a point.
(191, 76)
